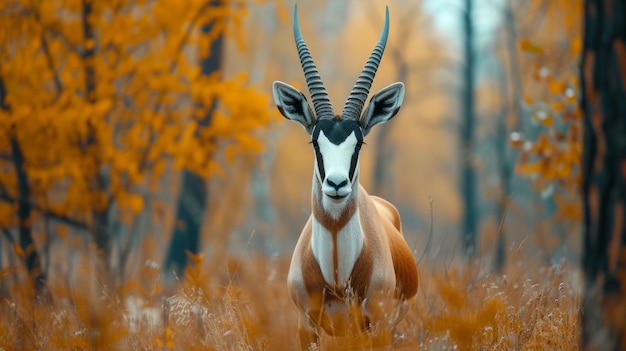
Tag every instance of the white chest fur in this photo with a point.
(345, 250)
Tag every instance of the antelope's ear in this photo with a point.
(383, 106)
(293, 105)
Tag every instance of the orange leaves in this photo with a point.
(7, 214)
(567, 209)
(554, 157)
(149, 100)
(576, 46)
(134, 203)
(556, 87)
(552, 161)
(101, 108)
(529, 100)
(240, 111)
(526, 45)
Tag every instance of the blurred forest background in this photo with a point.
(487, 134)
(141, 135)
(125, 127)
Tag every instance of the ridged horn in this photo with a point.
(321, 101)
(358, 95)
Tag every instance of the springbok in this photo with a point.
(351, 251)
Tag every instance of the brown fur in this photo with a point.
(383, 239)
(403, 261)
(325, 219)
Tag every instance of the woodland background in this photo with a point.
(150, 193)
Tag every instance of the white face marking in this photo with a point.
(336, 207)
(349, 246)
(336, 160)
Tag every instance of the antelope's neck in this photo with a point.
(337, 237)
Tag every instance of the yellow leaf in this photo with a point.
(557, 106)
(62, 231)
(527, 46)
(103, 106)
(556, 87)
(7, 214)
(576, 46)
(135, 203)
(90, 44)
(18, 250)
(529, 100)
(544, 118)
(527, 168)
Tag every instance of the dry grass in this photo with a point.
(242, 304)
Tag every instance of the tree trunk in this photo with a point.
(468, 176)
(192, 200)
(100, 216)
(30, 254)
(604, 175)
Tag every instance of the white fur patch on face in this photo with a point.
(349, 246)
(336, 207)
(336, 159)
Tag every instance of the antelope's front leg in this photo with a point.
(309, 334)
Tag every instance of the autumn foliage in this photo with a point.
(99, 98)
(103, 103)
(551, 154)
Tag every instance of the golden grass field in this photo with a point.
(242, 304)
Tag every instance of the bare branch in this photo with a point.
(50, 61)
(46, 212)
(8, 236)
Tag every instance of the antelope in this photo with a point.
(351, 252)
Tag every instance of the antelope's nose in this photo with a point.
(336, 185)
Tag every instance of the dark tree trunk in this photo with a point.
(468, 176)
(27, 244)
(99, 216)
(89, 51)
(604, 175)
(30, 254)
(192, 200)
(190, 209)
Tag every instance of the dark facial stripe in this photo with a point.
(337, 131)
(354, 159)
(318, 156)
